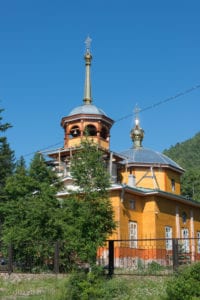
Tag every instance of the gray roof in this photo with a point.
(148, 156)
(87, 109)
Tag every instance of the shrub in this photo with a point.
(154, 267)
(83, 286)
(94, 285)
(185, 285)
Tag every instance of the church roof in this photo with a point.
(148, 156)
(87, 109)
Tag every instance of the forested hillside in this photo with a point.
(187, 155)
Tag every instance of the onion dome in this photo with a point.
(138, 155)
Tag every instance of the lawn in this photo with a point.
(52, 287)
(31, 286)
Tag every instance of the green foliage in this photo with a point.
(191, 184)
(154, 268)
(88, 169)
(31, 212)
(6, 157)
(185, 285)
(31, 286)
(186, 154)
(92, 285)
(89, 211)
(56, 287)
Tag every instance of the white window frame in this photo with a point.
(186, 242)
(133, 234)
(173, 184)
(168, 237)
(198, 241)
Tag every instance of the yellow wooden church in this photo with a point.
(145, 190)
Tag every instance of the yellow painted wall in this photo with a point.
(152, 214)
(167, 216)
(159, 178)
(169, 175)
(143, 214)
(76, 141)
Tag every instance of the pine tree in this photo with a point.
(6, 156)
(32, 213)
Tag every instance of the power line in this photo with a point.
(43, 149)
(162, 102)
(141, 110)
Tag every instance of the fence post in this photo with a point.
(10, 259)
(175, 254)
(56, 257)
(111, 258)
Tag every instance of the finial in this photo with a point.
(88, 58)
(137, 133)
(88, 43)
(136, 111)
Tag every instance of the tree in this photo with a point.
(81, 222)
(191, 184)
(186, 154)
(32, 213)
(89, 209)
(6, 156)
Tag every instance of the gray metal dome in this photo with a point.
(87, 109)
(148, 156)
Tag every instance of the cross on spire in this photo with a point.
(136, 111)
(88, 43)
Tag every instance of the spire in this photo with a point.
(137, 133)
(88, 58)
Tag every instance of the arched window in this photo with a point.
(90, 130)
(75, 131)
(184, 217)
(104, 133)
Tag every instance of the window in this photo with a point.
(75, 131)
(184, 217)
(133, 234)
(185, 242)
(168, 235)
(173, 185)
(132, 204)
(198, 241)
(90, 130)
(104, 133)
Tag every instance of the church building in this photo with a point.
(145, 192)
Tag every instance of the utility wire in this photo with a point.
(141, 110)
(43, 149)
(162, 102)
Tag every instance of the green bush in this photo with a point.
(185, 285)
(82, 285)
(154, 267)
(94, 285)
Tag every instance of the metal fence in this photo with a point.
(33, 257)
(137, 257)
(148, 256)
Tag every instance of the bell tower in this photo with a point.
(87, 120)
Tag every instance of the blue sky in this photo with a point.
(143, 53)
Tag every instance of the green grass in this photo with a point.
(52, 287)
(35, 287)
